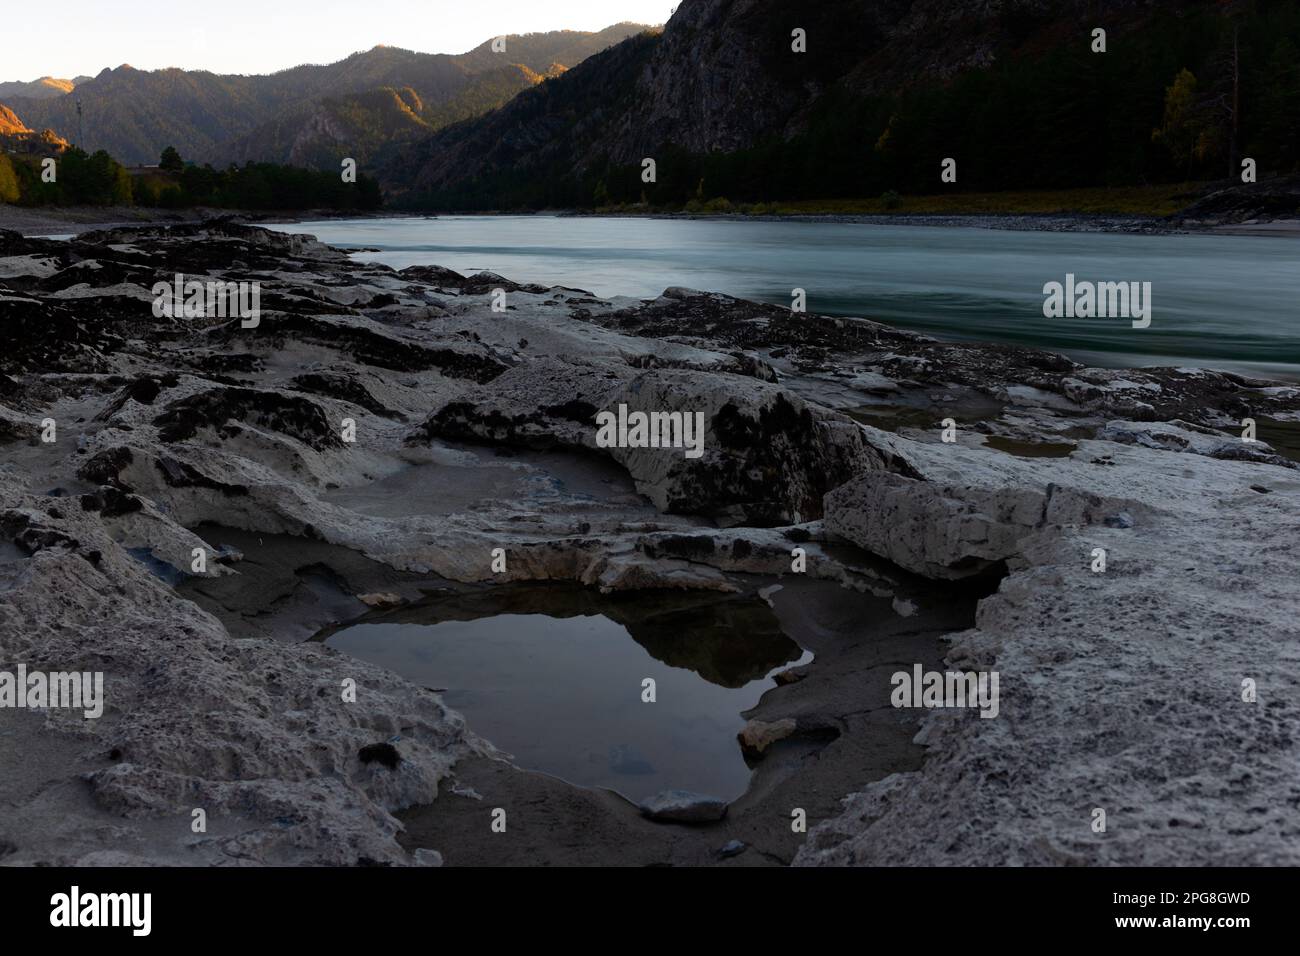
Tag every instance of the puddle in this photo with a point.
(1029, 449)
(893, 416)
(1283, 436)
(486, 480)
(553, 675)
(157, 566)
(284, 588)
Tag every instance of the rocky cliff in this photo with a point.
(726, 78)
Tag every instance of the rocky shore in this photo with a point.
(394, 428)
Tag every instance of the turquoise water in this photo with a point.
(1228, 302)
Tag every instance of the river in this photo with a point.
(1226, 302)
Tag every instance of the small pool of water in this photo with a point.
(554, 676)
(1029, 449)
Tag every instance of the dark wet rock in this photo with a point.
(44, 337)
(343, 387)
(739, 364)
(105, 467)
(144, 390)
(290, 415)
(434, 275)
(683, 806)
(1268, 199)
(179, 474)
(33, 536)
(225, 363)
(370, 347)
(111, 502)
(486, 282)
(384, 754)
(732, 848)
(12, 430)
(690, 547)
(100, 273)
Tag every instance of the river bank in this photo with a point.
(74, 220)
(1121, 688)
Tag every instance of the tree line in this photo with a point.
(96, 179)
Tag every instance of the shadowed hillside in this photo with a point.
(303, 112)
(1015, 92)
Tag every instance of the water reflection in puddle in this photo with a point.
(553, 675)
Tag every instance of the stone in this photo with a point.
(425, 857)
(683, 806)
(732, 848)
(758, 735)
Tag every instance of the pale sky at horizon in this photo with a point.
(82, 37)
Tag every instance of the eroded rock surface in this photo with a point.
(474, 430)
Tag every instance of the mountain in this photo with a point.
(886, 90)
(359, 125)
(47, 87)
(15, 137)
(308, 111)
(10, 124)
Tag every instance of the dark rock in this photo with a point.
(103, 468)
(385, 754)
(732, 848)
(178, 474)
(683, 806)
(687, 547)
(343, 387)
(111, 502)
(291, 415)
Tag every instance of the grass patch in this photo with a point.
(1163, 200)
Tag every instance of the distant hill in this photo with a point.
(363, 125)
(15, 137)
(47, 87)
(309, 113)
(10, 124)
(729, 108)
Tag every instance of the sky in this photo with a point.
(82, 37)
